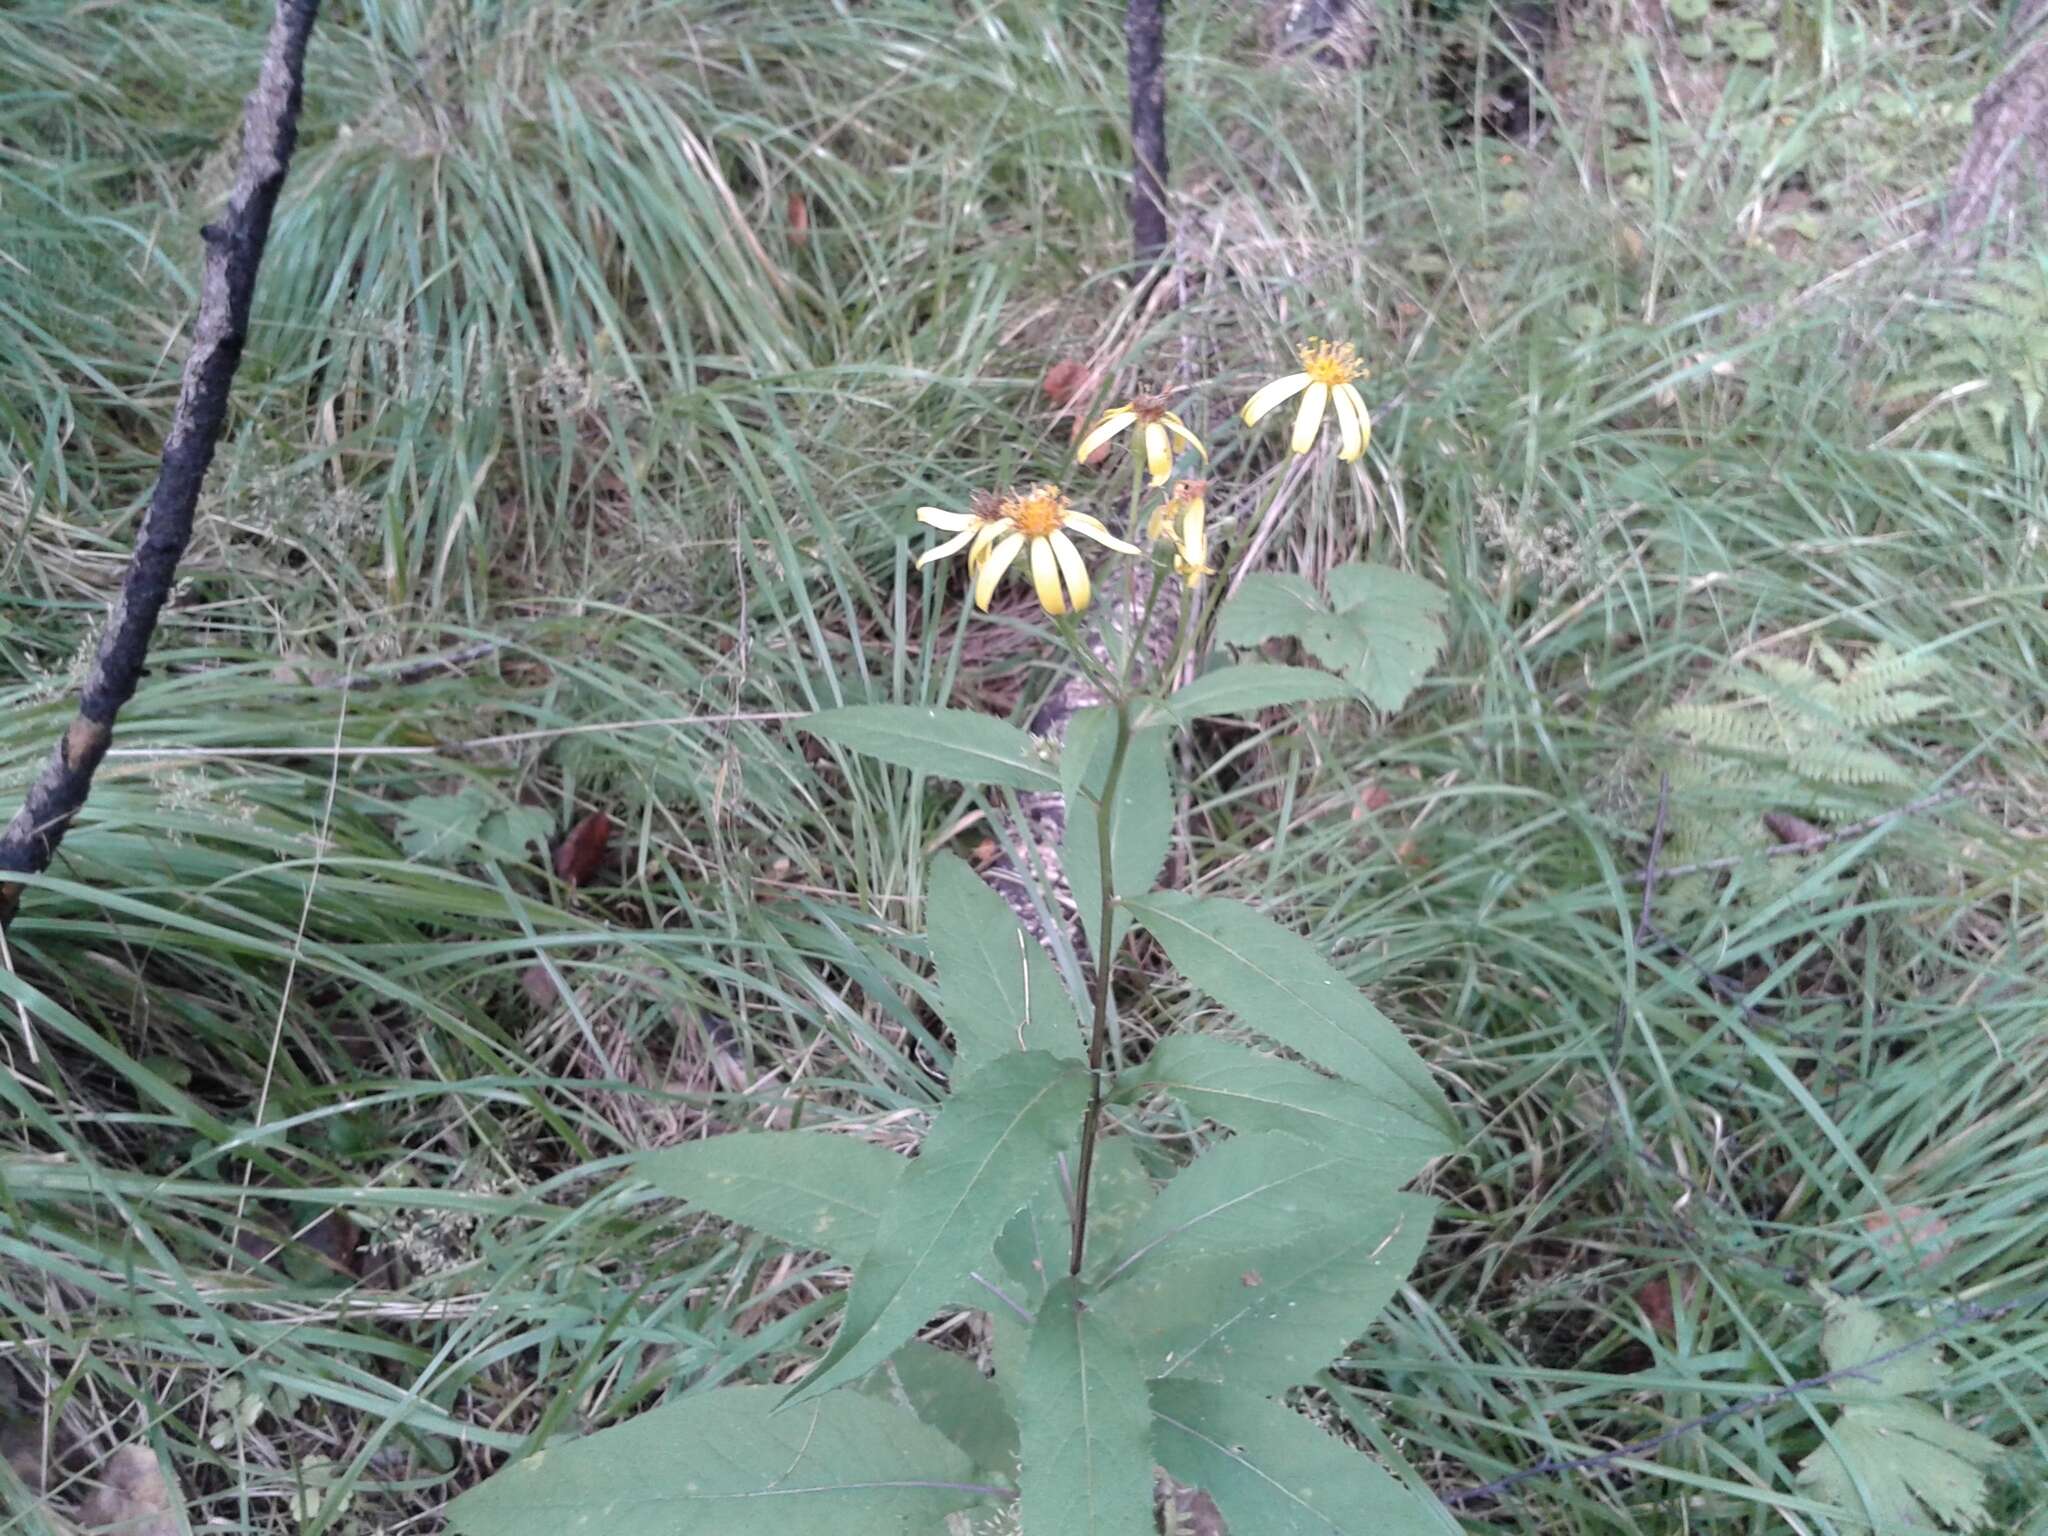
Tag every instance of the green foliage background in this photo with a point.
(544, 364)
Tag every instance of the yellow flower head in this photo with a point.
(1149, 412)
(1040, 519)
(1183, 518)
(1328, 367)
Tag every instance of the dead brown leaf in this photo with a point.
(583, 849)
(132, 1498)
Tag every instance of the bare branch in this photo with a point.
(234, 250)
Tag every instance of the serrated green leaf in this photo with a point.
(810, 1188)
(1279, 984)
(1141, 829)
(1249, 1092)
(1252, 686)
(985, 1154)
(1688, 10)
(947, 1391)
(1037, 1246)
(998, 990)
(1268, 606)
(1272, 1472)
(1854, 1333)
(1261, 1262)
(1085, 1425)
(726, 1463)
(958, 744)
(1900, 1466)
(442, 827)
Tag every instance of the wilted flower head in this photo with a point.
(1150, 413)
(1183, 518)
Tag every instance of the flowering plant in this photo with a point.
(1147, 1309)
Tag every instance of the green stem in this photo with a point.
(1105, 966)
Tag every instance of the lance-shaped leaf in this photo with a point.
(1086, 1425)
(1252, 686)
(961, 744)
(810, 1188)
(1271, 1471)
(725, 1463)
(998, 991)
(1279, 984)
(949, 1393)
(1249, 1091)
(1261, 1262)
(986, 1153)
(1141, 827)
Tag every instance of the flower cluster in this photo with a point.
(1037, 523)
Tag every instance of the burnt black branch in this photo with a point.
(1145, 42)
(234, 251)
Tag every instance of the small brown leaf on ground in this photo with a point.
(1787, 828)
(1063, 380)
(1917, 1232)
(1655, 1300)
(132, 1497)
(1372, 798)
(584, 849)
(539, 986)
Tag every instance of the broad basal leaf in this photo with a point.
(1261, 1262)
(1890, 1462)
(1252, 686)
(811, 1188)
(986, 1153)
(1399, 619)
(1268, 606)
(998, 990)
(1279, 984)
(958, 744)
(1917, 1471)
(1141, 830)
(948, 1392)
(1854, 1332)
(1382, 629)
(725, 1463)
(1085, 1425)
(1272, 1472)
(1249, 1091)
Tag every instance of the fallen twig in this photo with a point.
(1940, 797)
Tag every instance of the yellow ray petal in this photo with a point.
(993, 565)
(952, 546)
(1111, 424)
(1364, 416)
(1158, 452)
(1091, 526)
(1272, 395)
(1045, 575)
(1073, 568)
(1180, 430)
(952, 522)
(1309, 419)
(1348, 423)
